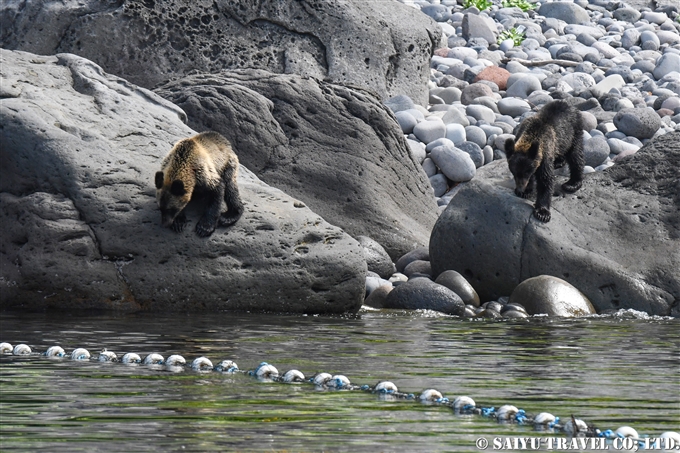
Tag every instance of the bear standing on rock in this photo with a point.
(204, 164)
(555, 133)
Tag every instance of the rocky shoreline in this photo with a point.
(357, 135)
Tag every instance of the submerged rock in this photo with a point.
(552, 296)
(81, 227)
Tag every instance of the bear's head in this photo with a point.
(172, 195)
(523, 159)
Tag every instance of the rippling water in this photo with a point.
(608, 371)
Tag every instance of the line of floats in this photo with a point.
(544, 421)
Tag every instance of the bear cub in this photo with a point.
(202, 165)
(544, 142)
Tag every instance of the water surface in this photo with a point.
(608, 371)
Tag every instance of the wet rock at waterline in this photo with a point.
(378, 296)
(378, 46)
(337, 149)
(459, 285)
(424, 294)
(81, 227)
(552, 296)
(617, 239)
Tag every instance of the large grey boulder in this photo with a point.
(81, 228)
(338, 149)
(382, 46)
(617, 240)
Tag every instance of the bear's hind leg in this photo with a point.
(576, 161)
(211, 216)
(232, 198)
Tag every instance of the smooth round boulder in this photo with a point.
(459, 285)
(513, 107)
(421, 253)
(429, 131)
(424, 294)
(521, 85)
(596, 150)
(406, 121)
(637, 122)
(456, 133)
(473, 91)
(669, 62)
(418, 267)
(456, 164)
(570, 13)
(494, 74)
(377, 259)
(550, 295)
(377, 297)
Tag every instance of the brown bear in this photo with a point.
(545, 141)
(203, 165)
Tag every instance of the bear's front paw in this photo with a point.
(542, 214)
(525, 194)
(571, 188)
(204, 229)
(178, 225)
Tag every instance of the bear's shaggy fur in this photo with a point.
(545, 141)
(204, 164)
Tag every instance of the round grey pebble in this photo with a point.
(439, 184)
(457, 165)
(638, 122)
(406, 121)
(429, 167)
(418, 266)
(522, 85)
(513, 107)
(476, 134)
(417, 150)
(668, 63)
(428, 131)
(456, 133)
(420, 253)
(596, 150)
(475, 152)
(481, 112)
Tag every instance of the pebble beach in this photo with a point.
(618, 64)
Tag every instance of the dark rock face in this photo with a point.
(424, 294)
(337, 149)
(382, 46)
(617, 239)
(81, 227)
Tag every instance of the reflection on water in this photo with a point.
(608, 371)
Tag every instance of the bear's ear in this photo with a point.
(533, 151)
(177, 188)
(159, 179)
(509, 147)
